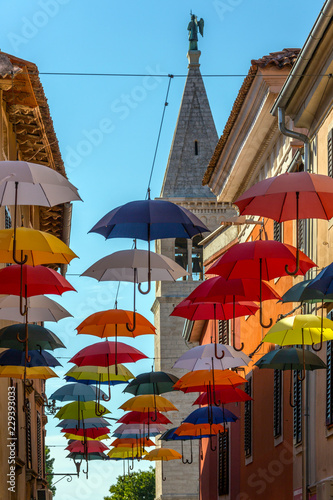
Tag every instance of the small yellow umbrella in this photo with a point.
(79, 410)
(164, 455)
(130, 452)
(38, 246)
(75, 437)
(35, 372)
(147, 402)
(100, 373)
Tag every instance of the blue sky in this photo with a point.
(107, 126)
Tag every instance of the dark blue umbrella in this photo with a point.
(323, 281)
(210, 415)
(14, 357)
(304, 292)
(149, 220)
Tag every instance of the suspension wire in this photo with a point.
(159, 134)
(164, 75)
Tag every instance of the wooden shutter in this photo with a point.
(248, 421)
(224, 463)
(297, 408)
(329, 383)
(277, 403)
(223, 331)
(28, 435)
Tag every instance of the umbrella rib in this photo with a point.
(282, 204)
(323, 207)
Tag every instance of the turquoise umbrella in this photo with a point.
(77, 392)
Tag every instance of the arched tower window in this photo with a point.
(196, 148)
(197, 258)
(181, 253)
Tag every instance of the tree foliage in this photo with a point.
(138, 486)
(49, 469)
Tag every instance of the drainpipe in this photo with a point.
(305, 389)
(295, 135)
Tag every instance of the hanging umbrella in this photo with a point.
(40, 308)
(199, 430)
(91, 456)
(203, 357)
(302, 293)
(149, 220)
(170, 435)
(201, 380)
(227, 394)
(211, 415)
(92, 433)
(99, 375)
(290, 196)
(87, 410)
(127, 443)
(151, 383)
(123, 453)
(114, 323)
(88, 447)
(139, 417)
(263, 260)
(132, 430)
(148, 403)
(15, 357)
(88, 423)
(75, 392)
(39, 337)
(163, 455)
(300, 329)
(22, 372)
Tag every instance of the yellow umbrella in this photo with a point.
(79, 410)
(35, 372)
(164, 455)
(147, 402)
(75, 437)
(38, 246)
(100, 373)
(130, 452)
(300, 329)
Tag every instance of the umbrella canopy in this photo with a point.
(88, 423)
(103, 354)
(75, 437)
(120, 266)
(76, 392)
(39, 337)
(127, 443)
(113, 323)
(88, 447)
(36, 185)
(170, 435)
(22, 372)
(40, 308)
(91, 433)
(245, 260)
(139, 417)
(200, 430)
(123, 453)
(149, 220)
(203, 357)
(323, 282)
(204, 310)
(290, 358)
(137, 429)
(164, 454)
(40, 247)
(37, 280)
(200, 380)
(99, 374)
(276, 198)
(210, 415)
(220, 289)
(227, 394)
(148, 402)
(72, 410)
(91, 456)
(300, 329)
(15, 357)
(301, 292)
(151, 383)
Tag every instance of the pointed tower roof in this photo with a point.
(194, 139)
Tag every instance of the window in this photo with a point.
(8, 219)
(181, 253)
(196, 148)
(223, 331)
(197, 258)
(277, 403)
(301, 234)
(28, 435)
(297, 408)
(329, 383)
(224, 463)
(39, 446)
(277, 231)
(248, 420)
(330, 153)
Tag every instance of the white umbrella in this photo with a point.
(40, 308)
(203, 357)
(121, 266)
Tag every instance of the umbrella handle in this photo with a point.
(134, 314)
(149, 270)
(293, 273)
(260, 299)
(107, 398)
(163, 478)
(23, 341)
(213, 391)
(320, 345)
(216, 355)
(86, 471)
(238, 349)
(261, 320)
(25, 258)
(154, 418)
(291, 403)
(211, 444)
(302, 377)
(99, 412)
(201, 452)
(321, 333)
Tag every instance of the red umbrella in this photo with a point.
(290, 196)
(86, 447)
(139, 417)
(226, 394)
(265, 260)
(92, 432)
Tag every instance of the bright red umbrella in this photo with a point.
(103, 354)
(225, 394)
(87, 447)
(138, 417)
(92, 432)
(290, 196)
(265, 260)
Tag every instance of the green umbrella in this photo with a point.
(84, 409)
(290, 358)
(301, 293)
(39, 337)
(151, 383)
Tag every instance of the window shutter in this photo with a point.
(28, 435)
(223, 331)
(224, 463)
(248, 421)
(277, 231)
(297, 408)
(277, 403)
(329, 383)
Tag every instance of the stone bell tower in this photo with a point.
(194, 141)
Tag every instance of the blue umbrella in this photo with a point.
(210, 415)
(77, 392)
(149, 220)
(323, 281)
(89, 423)
(14, 357)
(304, 292)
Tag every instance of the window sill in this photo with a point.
(329, 431)
(278, 440)
(249, 460)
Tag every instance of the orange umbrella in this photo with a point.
(147, 402)
(200, 380)
(187, 429)
(164, 455)
(127, 443)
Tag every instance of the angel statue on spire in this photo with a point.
(192, 28)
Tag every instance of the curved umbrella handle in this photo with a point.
(25, 258)
(86, 471)
(291, 402)
(260, 299)
(321, 333)
(320, 345)
(293, 273)
(302, 377)
(215, 335)
(134, 314)
(108, 398)
(213, 391)
(163, 478)
(149, 270)
(216, 354)
(211, 441)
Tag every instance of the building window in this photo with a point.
(8, 219)
(330, 153)
(248, 420)
(277, 403)
(277, 231)
(297, 408)
(196, 148)
(301, 234)
(39, 446)
(223, 331)
(224, 463)
(28, 435)
(181, 253)
(329, 383)
(197, 258)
